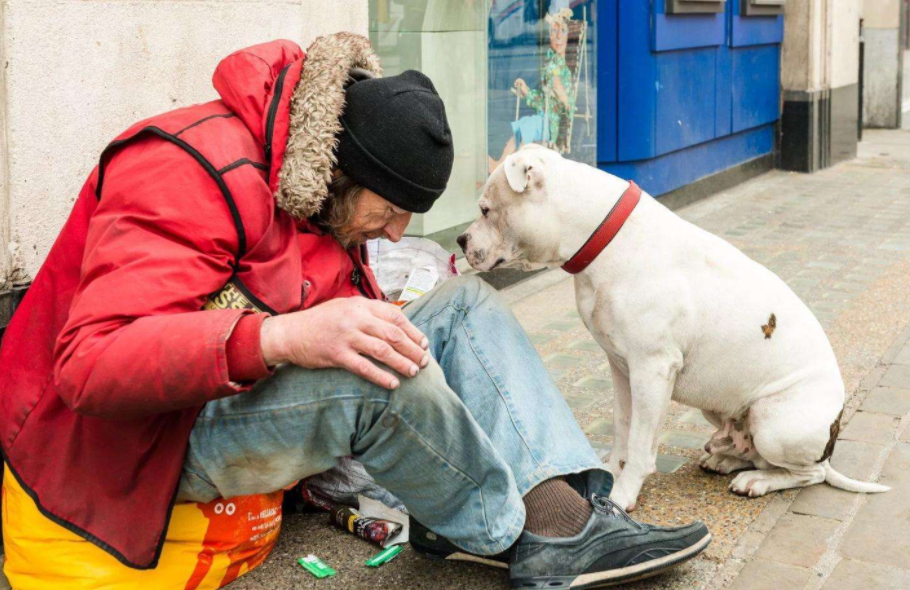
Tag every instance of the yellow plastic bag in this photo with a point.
(207, 546)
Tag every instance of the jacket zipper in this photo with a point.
(358, 273)
(273, 111)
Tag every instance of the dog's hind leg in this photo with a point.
(762, 481)
(622, 416)
(723, 464)
(790, 431)
(730, 448)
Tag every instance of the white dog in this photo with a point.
(682, 315)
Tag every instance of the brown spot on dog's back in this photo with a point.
(768, 328)
(832, 440)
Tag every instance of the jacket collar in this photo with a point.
(291, 101)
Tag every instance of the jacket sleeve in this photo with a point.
(136, 341)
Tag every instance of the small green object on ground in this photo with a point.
(384, 556)
(316, 566)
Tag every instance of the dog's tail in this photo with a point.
(843, 482)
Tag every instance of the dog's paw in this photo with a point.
(751, 484)
(709, 462)
(722, 464)
(623, 499)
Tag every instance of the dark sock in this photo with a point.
(554, 509)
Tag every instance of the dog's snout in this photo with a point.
(463, 240)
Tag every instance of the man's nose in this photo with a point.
(463, 240)
(394, 230)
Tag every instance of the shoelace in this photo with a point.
(609, 506)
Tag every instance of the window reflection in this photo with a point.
(510, 72)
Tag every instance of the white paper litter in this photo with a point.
(394, 263)
(376, 509)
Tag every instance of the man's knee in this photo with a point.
(423, 393)
(467, 291)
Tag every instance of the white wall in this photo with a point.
(882, 67)
(821, 44)
(844, 46)
(80, 71)
(4, 186)
(881, 14)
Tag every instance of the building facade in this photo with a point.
(670, 93)
(73, 75)
(666, 92)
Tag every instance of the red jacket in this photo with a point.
(111, 355)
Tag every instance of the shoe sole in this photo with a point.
(465, 557)
(618, 576)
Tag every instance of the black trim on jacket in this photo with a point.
(243, 162)
(213, 172)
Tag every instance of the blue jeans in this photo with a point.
(459, 444)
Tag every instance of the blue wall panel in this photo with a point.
(685, 95)
(686, 31)
(661, 175)
(636, 83)
(756, 86)
(605, 18)
(723, 111)
(753, 30)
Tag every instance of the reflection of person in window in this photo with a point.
(551, 101)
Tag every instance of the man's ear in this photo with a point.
(518, 171)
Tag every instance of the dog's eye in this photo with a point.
(484, 210)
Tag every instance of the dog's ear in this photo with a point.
(518, 171)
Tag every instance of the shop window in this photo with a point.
(509, 71)
(542, 85)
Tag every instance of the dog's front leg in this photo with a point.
(622, 419)
(652, 384)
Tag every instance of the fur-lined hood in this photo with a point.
(292, 102)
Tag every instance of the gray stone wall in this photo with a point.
(882, 78)
(75, 73)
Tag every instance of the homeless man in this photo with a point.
(129, 385)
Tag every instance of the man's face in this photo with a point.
(374, 217)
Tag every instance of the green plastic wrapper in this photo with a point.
(316, 566)
(384, 556)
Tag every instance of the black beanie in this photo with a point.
(396, 140)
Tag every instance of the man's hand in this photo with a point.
(341, 333)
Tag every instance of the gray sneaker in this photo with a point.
(429, 544)
(612, 549)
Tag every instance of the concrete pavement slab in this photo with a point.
(770, 575)
(880, 533)
(871, 427)
(797, 539)
(851, 574)
(852, 458)
(887, 400)
(903, 357)
(897, 376)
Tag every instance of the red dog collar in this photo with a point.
(605, 233)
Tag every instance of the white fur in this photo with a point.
(680, 313)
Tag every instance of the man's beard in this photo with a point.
(349, 237)
(337, 219)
